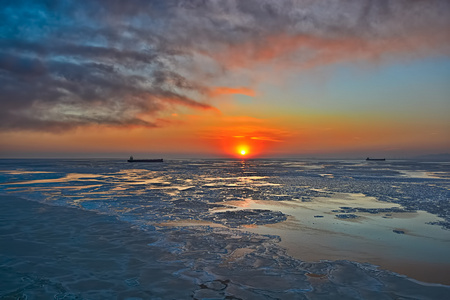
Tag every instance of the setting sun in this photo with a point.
(242, 150)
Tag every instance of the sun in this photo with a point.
(242, 150)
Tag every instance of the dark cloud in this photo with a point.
(67, 63)
(21, 66)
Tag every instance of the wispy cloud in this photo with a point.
(67, 63)
(231, 91)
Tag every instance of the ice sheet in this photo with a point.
(232, 225)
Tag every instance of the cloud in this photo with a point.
(245, 128)
(55, 95)
(306, 34)
(230, 91)
(265, 138)
(67, 63)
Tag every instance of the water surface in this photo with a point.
(390, 214)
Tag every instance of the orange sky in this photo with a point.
(216, 134)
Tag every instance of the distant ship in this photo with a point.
(376, 159)
(145, 160)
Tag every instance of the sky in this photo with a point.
(286, 78)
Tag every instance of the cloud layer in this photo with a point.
(65, 64)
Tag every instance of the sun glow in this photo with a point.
(243, 150)
(239, 146)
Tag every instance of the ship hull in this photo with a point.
(146, 160)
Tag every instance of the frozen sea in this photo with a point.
(224, 229)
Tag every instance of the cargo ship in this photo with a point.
(376, 159)
(145, 160)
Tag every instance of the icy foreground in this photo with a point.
(179, 230)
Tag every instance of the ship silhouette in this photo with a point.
(145, 160)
